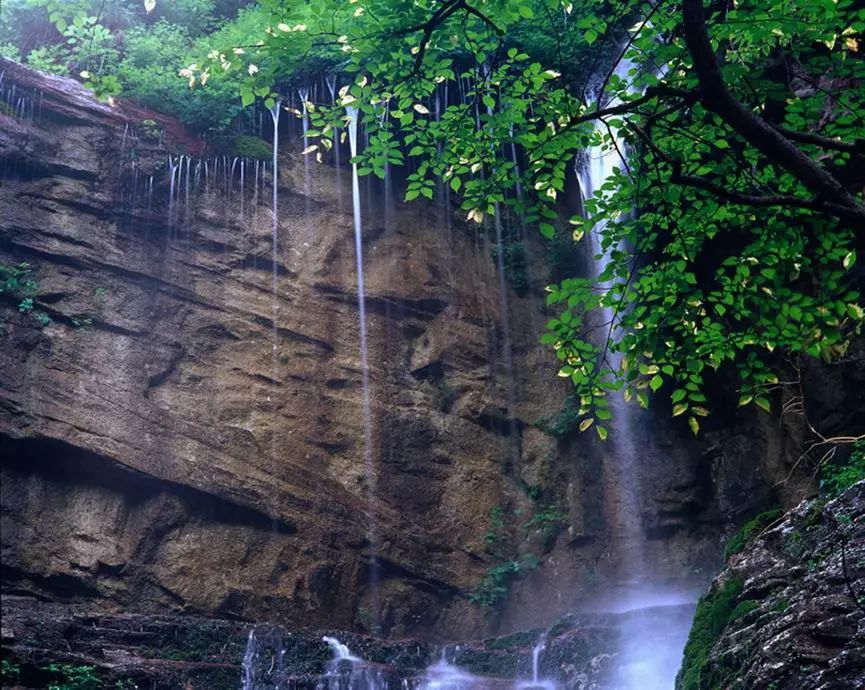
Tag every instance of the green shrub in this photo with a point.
(250, 147)
(9, 672)
(835, 478)
(19, 282)
(515, 264)
(9, 51)
(563, 424)
(743, 608)
(72, 677)
(547, 520)
(497, 581)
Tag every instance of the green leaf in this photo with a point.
(656, 382)
(694, 424)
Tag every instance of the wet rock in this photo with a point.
(182, 438)
(787, 611)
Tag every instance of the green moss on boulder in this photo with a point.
(245, 146)
(752, 528)
(714, 611)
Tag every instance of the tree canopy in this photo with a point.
(732, 226)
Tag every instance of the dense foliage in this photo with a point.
(745, 140)
(119, 48)
(731, 228)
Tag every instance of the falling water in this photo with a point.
(274, 112)
(364, 368)
(248, 677)
(303, 93)
(331, 83)
(340, 650)
(537, 682)
(642, 664)
(504, 308)
(173, 170)
(443, 675)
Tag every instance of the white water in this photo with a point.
(248, 678)
(643, 663)
(303, 94)
(369, 467)
(443, 675)
(274, 113)
(340, 650)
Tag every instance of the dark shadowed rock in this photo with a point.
(788, 611)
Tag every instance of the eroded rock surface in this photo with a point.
(182, 437)
(788, 612)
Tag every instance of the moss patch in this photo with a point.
(715, 609)
(750, 530)
(524, 638)
(245, 146)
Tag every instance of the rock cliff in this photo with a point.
(177, 434)
(788, 611)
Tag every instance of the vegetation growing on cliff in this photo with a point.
(18, 282)
(745, 137)
(715, 609)
(835, 477)
(751, 529)
(742, 124)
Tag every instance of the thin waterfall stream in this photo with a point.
(372, 528)
(274, 113)
(645, 663)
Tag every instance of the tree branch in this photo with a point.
(773, 144)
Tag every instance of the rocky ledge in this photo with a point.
(788, 611)
(44, 642)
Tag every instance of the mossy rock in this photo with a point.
(244, 146)
(525, 638)
(714, 610)
(751, 529)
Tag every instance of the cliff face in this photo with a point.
(788, 611)
(183, 437)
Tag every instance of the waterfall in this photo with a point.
(248, 677)
(537, 683)
(642, 663)
(443, 675)
(504, 308)
(622, 444)
(536, 655)
(307, 187)
(274, 112)
(345, 671)
(340, 650)
(364, 369)
(331, 83)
